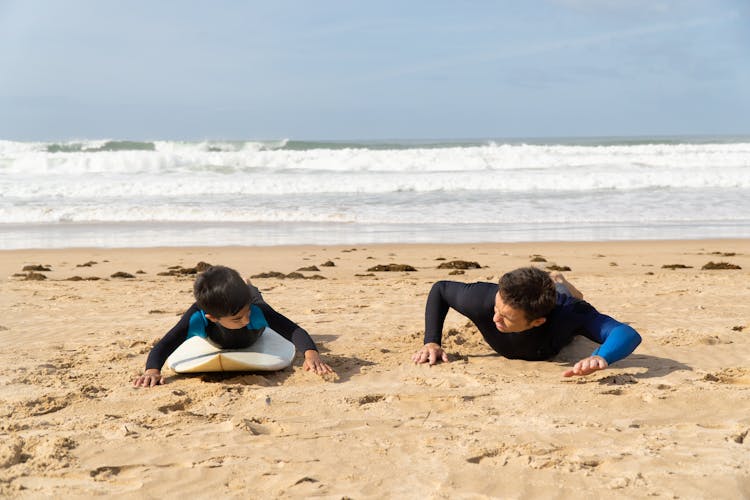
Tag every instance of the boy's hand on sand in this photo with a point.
(150, 378)
(314, 364)
(586, 366)
(430, 353)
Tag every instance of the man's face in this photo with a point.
(510, 320)
(238, 320)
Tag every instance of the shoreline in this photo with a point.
(205, 234)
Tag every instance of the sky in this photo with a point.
(348, 70)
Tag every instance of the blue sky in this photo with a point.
(372, 70)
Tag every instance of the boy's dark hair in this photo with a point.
(220, 291)
(530, 290)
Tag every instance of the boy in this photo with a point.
(528, 315)
(229, 312)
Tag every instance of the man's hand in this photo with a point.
(430, 353)
(314, 364)
(150, 378)
(586, 366)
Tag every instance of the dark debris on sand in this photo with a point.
(676, 266)
(392, 268)
(185, 271)
(328, 263)
(122, 274)
(309, 268)
(720, 265)
(36, 267)
(555, 267)
(459, 264)
(290, 276)
(32, 276)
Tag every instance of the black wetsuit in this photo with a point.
(569, 318)
(278, 322)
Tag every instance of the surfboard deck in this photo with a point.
(269, 353)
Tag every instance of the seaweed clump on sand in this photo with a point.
(309, 268)
(291, 276)
(37, 267)
(392, 268)
(676, 266)
(185, 271)
(555, 267)
(122, 274)
(459, 264)
(719, 265)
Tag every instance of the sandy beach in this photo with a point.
(670, 421)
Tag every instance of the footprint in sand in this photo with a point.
(11, 452)
(104, 473)
(92, 391)
(734, 376)
(366, 399)
(43, 405)
(258, 426)
(49, 452)
(619, 379)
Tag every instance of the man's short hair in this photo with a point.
(530, 290)
(220, 291)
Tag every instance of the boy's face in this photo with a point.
(238, 320)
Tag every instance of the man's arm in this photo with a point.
(617, 340)
(466, 298)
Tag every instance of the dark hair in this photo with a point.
(220, 291)
(530, 290)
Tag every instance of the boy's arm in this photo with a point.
(298, 336)
(287, 328)
(162, 349)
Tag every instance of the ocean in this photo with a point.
(116, 193)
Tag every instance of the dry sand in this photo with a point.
(670, 421)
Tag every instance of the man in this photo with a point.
(528, 315)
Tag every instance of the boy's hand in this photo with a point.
(150, 378)
(314, 364)
(586, 366)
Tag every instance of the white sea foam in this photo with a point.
(286, 182)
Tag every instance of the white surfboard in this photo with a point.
(270, 352)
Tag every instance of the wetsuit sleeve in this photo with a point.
(617, 340)
(281, 324)
(171, 341)
(466, 298)
(287, 328)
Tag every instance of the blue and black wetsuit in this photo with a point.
(569, 318)
(261, 314)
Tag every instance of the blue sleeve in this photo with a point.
(617, 339)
